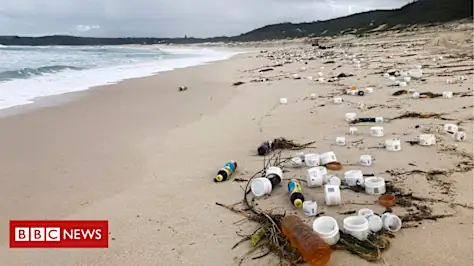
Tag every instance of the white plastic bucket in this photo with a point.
(315, 176)
(354, 178)
(379, 119)
(328, 157)
(327, 228)
(365, 160)
(274, 170)
(459, 136)
(350, 117)
(296, 161)
(283, 100)
(365, 212)
(447, 94)
(357, 226)
(337, 100)
(415, 95)
(341, 141)
(391, 222)
(312, 159)
(451, 128)
(427, 139)
(376, 131)
(333, 180)
(393, 145)
(310, 208)
(261, 187)
(332, 195)
(374, 185)
(375, 223)
(353, 130)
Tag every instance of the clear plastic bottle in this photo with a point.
(314, 250)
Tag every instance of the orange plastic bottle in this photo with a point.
(314, 250)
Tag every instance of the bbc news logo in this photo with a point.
(59, 234)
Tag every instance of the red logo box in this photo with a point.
(59, 234)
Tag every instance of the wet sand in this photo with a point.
(143, 155)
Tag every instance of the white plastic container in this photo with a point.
(447, 94)
(369, 90)
(392, 78)
(333, 180)
(365, 160)
(274, 170)
(391, 222)
(353, 131)
(328, 157)
(374, 185)
(313, 96)
(407, 79)
(427, 139)
(300, 154)
(459, 136)
(386, 75)
(315, 176)
(378, 119)
(365, 212)
(332, 195)
(416, 73)
(337, 100)
(354, 178)
(296, 161)
(321, 80)
(261, 187)
(283, 100)
(312, 159)
(327, 228)
(320, 74)
(451, 128)
(351, 117)
(357, 226)
(415, 95)
(393, 145)
(360, 105)
(375, 223)
(310, 208)
(341, 141)
(402, 84)
(376, 131)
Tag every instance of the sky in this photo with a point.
(168, 18)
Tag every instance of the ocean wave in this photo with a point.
(25, 73)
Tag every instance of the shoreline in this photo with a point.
(143, 155)
(56, 98)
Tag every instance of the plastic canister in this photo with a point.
(354, 178)
(333, 180)
(374, 185)
(393, 145)
(427, 139)
(332, 195)
(365, 160)
(459, 136)
(353, 130)
(296, 193)
(296, 161)
(327, 228)
(376, 131)
(451, 128)
(261, 186)
(315, 176)
(328, 157)
(391, 222)
(350, 117)
(310, 208)
(341, 141)
(375, 223)
(275, 175)
(337, 100)
(356, 226)
(365, 212)
(312, 159)
(447, 94)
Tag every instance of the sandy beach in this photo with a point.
(143, 155)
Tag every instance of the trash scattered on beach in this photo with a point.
(182, 88)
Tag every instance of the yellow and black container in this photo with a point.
(296, 193)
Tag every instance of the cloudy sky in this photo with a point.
(168, 18)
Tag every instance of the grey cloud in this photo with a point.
(160, 18)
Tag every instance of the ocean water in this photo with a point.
(28, 73)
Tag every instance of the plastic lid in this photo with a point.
(258, 187)
(219, 178)
(298, 203)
